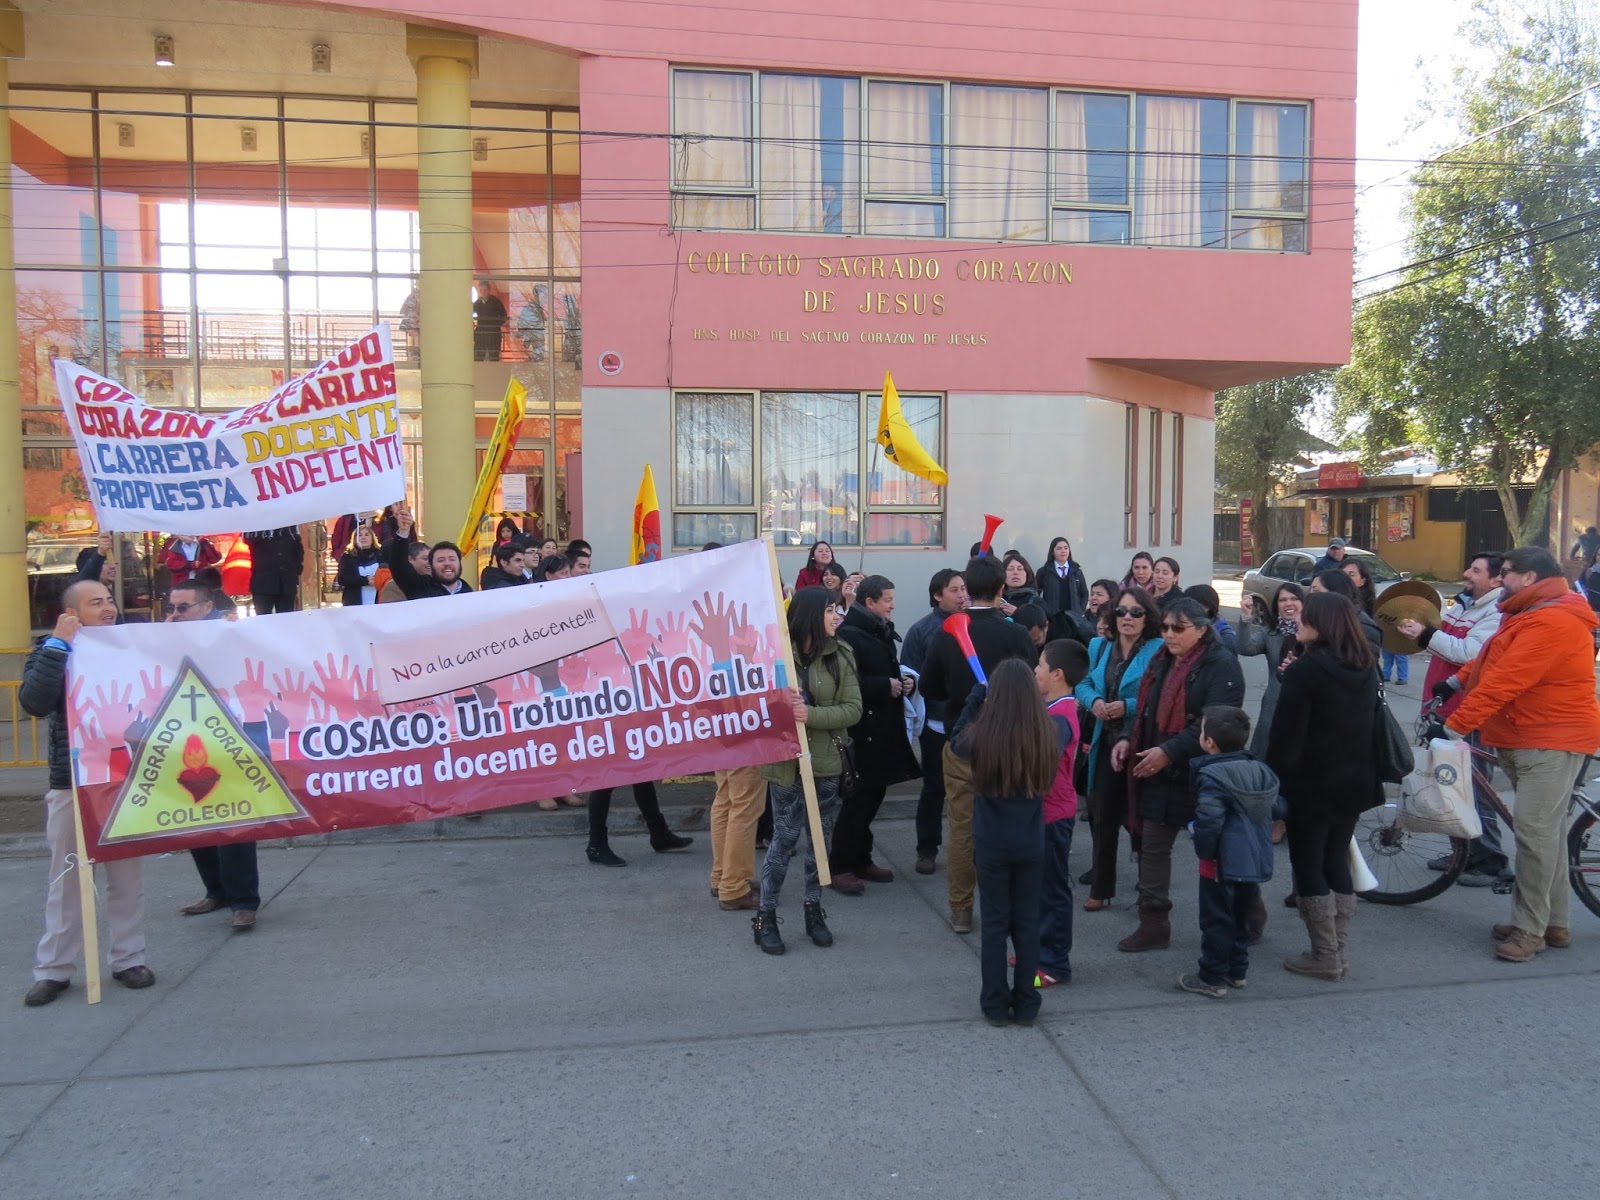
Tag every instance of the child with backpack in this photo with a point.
(1236, 802)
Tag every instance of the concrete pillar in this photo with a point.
(445, 63)
(14, 624)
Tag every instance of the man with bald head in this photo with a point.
(44, 694)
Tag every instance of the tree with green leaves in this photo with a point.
(1486, 350)
(1260, 433)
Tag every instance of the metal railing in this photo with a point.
(21, 734)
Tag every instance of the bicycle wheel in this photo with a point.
(1410, 867)
(1583, 860)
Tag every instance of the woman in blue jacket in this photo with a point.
(1110, 694)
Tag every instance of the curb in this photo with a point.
(492, 827)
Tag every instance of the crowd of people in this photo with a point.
(1124, 697)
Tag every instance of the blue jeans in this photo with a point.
(1055, 902)
(1400, 664)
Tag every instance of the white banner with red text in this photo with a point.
(324, 443)
(208, 732)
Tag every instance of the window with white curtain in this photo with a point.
(905, 159)
(911, 158)
(1177, 478)
(713, 172)
(999, 163)
(810, 154)
(794, 463)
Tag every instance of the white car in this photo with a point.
(1296, 566)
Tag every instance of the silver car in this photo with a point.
(1296, 566)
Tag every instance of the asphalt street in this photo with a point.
(499, 1018)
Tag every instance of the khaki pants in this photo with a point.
(740, 800)
(62, 943)
(958, 864)
(1542, 780)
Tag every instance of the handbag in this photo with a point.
(849, 777)
(1437, 796)
(1391, 748)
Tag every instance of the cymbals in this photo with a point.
(1409, 600)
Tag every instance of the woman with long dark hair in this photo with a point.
(1014, 750)
(1164, 585)
(1343, 585)
(827, 697)
(1061, 583)
(1270, 632)
(1366, 592)
(1193, 671)
(1019, 588)
(1321, 747)
(357, 567)
(506, 530)
(1102, 592)
(1110, 694)
(811, 574)
(1140, 571)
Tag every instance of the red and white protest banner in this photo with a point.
(208, 732)
(326, 442)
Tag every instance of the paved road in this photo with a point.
(499, 1018)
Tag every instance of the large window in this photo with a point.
(902, 158)
(793, 463)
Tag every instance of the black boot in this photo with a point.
(663, 839)
(601, 855)
(765, 924)
(816, 927)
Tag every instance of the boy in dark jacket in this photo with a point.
(1236, 801)
(1062, 665)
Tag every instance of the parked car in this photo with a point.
(1295, 566)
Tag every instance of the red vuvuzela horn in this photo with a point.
(990, 524)
(957, 626)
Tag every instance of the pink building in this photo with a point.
(716, 226)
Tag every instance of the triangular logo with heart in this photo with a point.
(197, 769)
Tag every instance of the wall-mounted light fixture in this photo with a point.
(321, 58)
(166, 50)
(366, 142)
(247, 138)
(125, 134)
(480, 149)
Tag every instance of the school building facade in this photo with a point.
(713, 229)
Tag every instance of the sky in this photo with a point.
(1394, 36)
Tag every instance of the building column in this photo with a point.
(445, 63)
(15, 628)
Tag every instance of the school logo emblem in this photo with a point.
(1446, 774)
(195, 770)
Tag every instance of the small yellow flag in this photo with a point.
(900, 445)
(646, 522)
(501, 443)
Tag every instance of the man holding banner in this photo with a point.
(44, 694)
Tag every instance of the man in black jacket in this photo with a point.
(44, 694)
(947, 678)
(506, 570)
(444, 560)
(882, 752)
(276, 559)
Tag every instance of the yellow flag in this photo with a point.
(500, 444)
(646, 522)
(900, 445)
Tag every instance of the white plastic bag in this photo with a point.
(1437, 796)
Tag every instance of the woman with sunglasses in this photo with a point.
(1109, 693)
(1193, 670)
(1320, 748)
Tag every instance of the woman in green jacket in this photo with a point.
(828, 700)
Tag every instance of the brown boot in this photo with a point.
(1154, 932)
(961, 919)
(1322, 960)
(1344, 907)
(1558, 937)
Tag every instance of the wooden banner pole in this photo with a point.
(808, 780)
(91, 928)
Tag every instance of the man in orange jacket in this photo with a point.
(1531, 694)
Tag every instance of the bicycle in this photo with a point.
(1407, 865)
